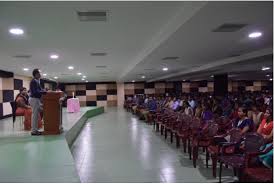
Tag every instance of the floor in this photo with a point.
(26, 158)
(117, 147)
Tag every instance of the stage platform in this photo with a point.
(26, 158)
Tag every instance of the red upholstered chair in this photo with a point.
(175, 126)
(194, 129)
(257, 172)
(214, 150)
(170, 123)
(203, 139)
(252, 143)
(183, 131)
(162, 118)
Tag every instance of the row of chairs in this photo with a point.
(194, 134)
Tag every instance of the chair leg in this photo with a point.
(162, 129)
(240, 174)
(177, 141)
(234, 171)
(171, 136)
(165, 133)
(207, 158)
(204, 149)
(189, 149)
(195, 155)
(157, 127)
(184, 144)
(214, 165)
(220, 172)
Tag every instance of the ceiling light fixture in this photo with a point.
(44, 74)
(54, 56)
(165, 69)
(271, 79)
(268, 75)
(25, 69)
(16, 31)
(86, 81)
(83, 79)
(143, 77)
(84, 76)
(133, 81)
(70, 67)
(55, 77)
(79, 73)
(265, 68)
(212, 76)
(255, 35)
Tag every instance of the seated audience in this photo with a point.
(266, 127)
(151, 106)
(23, 108)
(207, 113)
(243, 122)
(175, 105)
(198, 110)
(256, 115)
(187, 109)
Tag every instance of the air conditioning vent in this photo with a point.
(229, 27)
(171, 58)
(148, 69)
(92, 16)
(98, 54)
(101, 66)
(234, 55)
(22, 56)
(66, 74)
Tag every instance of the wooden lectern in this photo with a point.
(52, 113)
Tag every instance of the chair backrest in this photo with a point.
(13, 107)
(212, 130)
(253, 142)
(235, 135)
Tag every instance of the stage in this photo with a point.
(26, 158)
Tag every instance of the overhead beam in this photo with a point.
(188, 10)
(217, 63)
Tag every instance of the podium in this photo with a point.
(52, 113)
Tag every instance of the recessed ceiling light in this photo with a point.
(268, 75)
(184, 80)
(265, 68)
(86, 81)
(133, 81)
(55, 77)
(143, 77)
(84, 76)
(255, 35)
(44, 74)
(212, 76)
(54, 56)
(79, 73)
(16, 31)
(83, 79)
(271, 79)
(165, 69)
(25, 69)
(70, 67)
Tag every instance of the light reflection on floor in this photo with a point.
(117, 147)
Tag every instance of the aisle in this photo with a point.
(117, 147)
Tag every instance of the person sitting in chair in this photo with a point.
(24, 109)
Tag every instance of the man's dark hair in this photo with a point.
(35, 71)
(22, 89)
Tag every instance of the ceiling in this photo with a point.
(136, 36)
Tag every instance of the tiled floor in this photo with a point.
(26, 158)
(117, 147)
